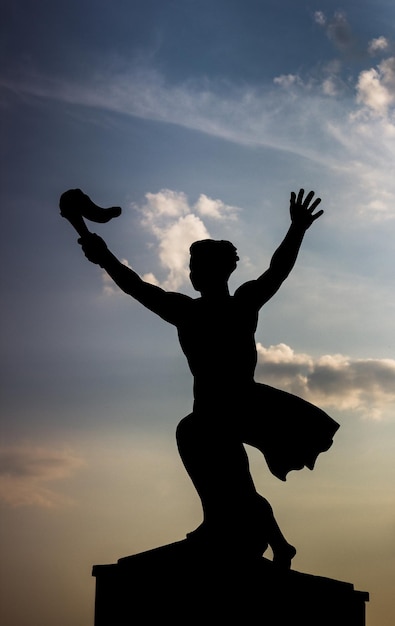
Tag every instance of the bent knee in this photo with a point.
(185, 427)
(192, 430)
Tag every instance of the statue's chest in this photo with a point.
(216, 325)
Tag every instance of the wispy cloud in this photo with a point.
(25, 472)
(320, 18)
(340, 33)
(248, 115)
(366, 386)
(340, 118)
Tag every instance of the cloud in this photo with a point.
(165, 203)
(378, 45)
(26, 470)
(150, 278)
(329, 86)
(176, 225)
(320, 18)
(366, 386)
(215, 209)
(255, 116)
(339, 31)
(327, 81)
(326, 116)
(376, 87)
(287, 80)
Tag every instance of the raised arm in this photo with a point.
(283, 260)
(170, 306)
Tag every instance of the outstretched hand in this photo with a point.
(302, 211)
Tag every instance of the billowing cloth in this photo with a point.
(289, 431)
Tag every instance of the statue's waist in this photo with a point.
(223, 393)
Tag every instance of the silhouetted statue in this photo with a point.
(216, 333)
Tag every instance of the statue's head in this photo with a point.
(211, 262)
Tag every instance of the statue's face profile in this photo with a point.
(212, 262)
(205, 276)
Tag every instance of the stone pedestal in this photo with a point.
(180, 584)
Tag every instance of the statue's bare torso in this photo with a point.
(217, 338)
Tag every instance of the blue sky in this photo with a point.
(198, 118)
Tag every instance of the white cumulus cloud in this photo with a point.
(366, 386)
(176, 224)
(376, 87)
(215, 209)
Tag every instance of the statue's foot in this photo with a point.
(283, 556)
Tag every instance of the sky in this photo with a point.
(198, 118)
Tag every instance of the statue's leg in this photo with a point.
(216, 463)
(235, 515)
(218, 467)
(283, 552)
